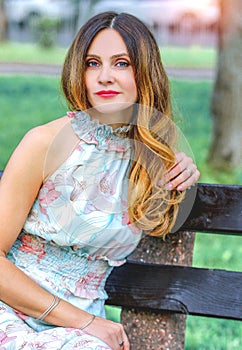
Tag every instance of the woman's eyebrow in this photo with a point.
(122, 54)
(92, 55)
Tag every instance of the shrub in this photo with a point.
(45, 30)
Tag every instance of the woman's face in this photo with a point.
(109, 76)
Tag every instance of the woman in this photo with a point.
(79, 191)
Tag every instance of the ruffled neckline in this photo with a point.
(102, 135)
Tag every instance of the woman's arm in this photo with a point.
(19, 187)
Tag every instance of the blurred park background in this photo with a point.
(201, 48)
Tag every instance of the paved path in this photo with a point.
(29, 68)
(55, 70)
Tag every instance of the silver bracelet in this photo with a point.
(88, 323)
(54, 303)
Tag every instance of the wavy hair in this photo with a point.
(153, 134)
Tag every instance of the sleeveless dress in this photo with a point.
(75, 234)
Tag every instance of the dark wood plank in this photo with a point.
(217, 208)
(195, 291)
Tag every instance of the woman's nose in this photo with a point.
(105, 75)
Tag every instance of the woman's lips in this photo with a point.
(107, 93)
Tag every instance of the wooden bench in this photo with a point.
(157, 287)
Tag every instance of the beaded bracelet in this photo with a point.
(88, 323)
(54, 303)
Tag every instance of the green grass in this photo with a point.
(213, 334)
(25, 103)
(30, 53)
(194, 56)
(29, 101)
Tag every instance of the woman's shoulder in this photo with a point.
(32, 150)
(52, 142)
(43, 135)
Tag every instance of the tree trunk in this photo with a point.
(3, 21)
(226, 103)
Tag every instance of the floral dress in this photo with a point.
(76, 232)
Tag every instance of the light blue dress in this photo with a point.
(76, 232)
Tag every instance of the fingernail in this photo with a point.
(168, 186)
(160, 182)
(179, 188)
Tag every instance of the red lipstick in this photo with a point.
(107, 93)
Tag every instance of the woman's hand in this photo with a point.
(183, 174)
(110, 332)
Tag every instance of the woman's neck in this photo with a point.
(115, 118)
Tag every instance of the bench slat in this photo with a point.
(217, 209)
(195, 291)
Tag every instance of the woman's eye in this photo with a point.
(123, 64)
(92, 64)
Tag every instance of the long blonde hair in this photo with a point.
(153, 134)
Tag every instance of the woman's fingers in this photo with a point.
(126, 345)
(182, 175)
(184, 181)
(111, 333)
(124, 341)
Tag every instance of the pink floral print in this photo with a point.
(47, 195)
(31, 244)
(4, 339)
